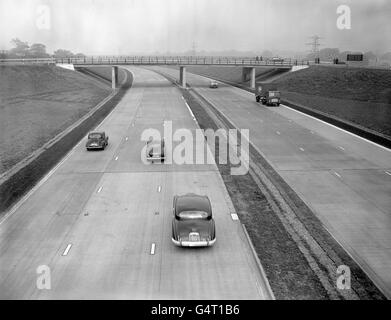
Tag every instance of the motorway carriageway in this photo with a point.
(101, 221)
(344, 179)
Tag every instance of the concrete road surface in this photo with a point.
(346, 180)
(102, 220)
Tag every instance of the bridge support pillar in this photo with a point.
(248, 73)
(114, 77)
(182, 76)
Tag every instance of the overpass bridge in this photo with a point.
(248, 63)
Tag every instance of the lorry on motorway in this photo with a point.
(267, 93)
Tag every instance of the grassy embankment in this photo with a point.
(37, 103)
(362, 96)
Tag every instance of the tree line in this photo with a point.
(21, 49)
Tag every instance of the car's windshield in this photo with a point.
(189, 215)
(94, 136)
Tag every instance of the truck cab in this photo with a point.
(267, 93)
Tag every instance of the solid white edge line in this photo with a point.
(266, 288)
(153, 247)
(191, 112)
(50, 173)
(340, 129)
(67, 249)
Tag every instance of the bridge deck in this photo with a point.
(149, 60)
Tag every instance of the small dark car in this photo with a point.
(155, 150)
(97, 140)
(193, 224)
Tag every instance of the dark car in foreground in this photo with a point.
(193, 224)
(97, 140)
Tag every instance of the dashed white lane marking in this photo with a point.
(337, 174)
(100, 189)
(234, 216)
(301, 149)
(153, 247)
(159, 188)
(116, 158)
(389, 173)
(126, 138)
(278, 132)
(342, 148)
(66, 251)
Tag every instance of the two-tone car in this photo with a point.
(213, 84)
(97, 140)
(192, 223)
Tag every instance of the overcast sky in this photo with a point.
(131, 26)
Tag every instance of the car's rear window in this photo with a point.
(189, 215)
(94, 135)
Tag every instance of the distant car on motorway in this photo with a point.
(277, 60)
(97, 140)
(193, 224)
(155, 150)
(213, 84)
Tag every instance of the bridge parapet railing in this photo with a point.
(160, 60)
